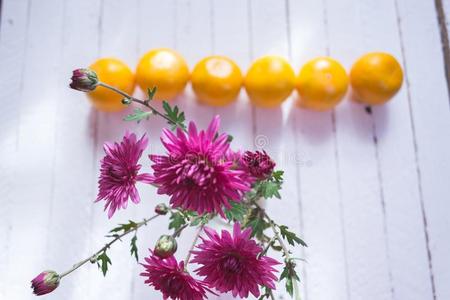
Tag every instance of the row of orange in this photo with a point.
(216, 80)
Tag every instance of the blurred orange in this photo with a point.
(216, 80)
(375, 78)
(165, 69)
(269, 81)
(117, 74)
(321, 84)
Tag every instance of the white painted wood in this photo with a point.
(429, 101)
(12, 52)
(326, 273)
(397, 169)
(75, 167)
(33, 186)
(118, 38)
(363, 215)
(336, 183)
(269, 35)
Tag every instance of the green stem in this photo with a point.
(107, 246)
(197, 235)
(141, 102)
(283, 246)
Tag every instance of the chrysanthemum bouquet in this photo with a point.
(205, 179)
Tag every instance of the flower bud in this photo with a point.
(84, 80)
(258, 164)
(126, 101)
(165, 246)
(161, 209)
(45, 283)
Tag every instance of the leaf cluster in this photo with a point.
(175, 117)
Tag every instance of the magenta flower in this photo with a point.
(169, 277)
(45, 283)
(119, 172)
(84, 80)
(258, 164)
(232, 263)
(195, 173)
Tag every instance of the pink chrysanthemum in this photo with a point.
(258, 164)
(169, 277)
(231, 263)
(119, 172)
(195, 173)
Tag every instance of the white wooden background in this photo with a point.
(370, 193)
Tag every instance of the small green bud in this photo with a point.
(161, 209)
(126, 101)
(165, 246)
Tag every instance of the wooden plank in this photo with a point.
(33, 186)
(428, 99)
(12, 52)
(326, 270)
(363, 214)
(118, 38)
(74, 171)
(397, 166)
(149, 38)
(269, 35)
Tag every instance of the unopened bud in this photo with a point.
(161, 209)
(126, 101)
(45, 283)
(165, 246)
(84, 80)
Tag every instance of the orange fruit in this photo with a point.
(375, 78)
(117, 74)
(216, 80)
(269, 81)
(165, 69)
(321, 83)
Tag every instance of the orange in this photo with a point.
(269, 81)
(117, 74)
(165, 69)
(321, 83)
(216, 80)
(375, 78)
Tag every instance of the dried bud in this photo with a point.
(84, 80)
(258, 164)
(45, 283)
(165, 246)
(161, 209)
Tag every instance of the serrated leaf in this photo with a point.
(236, 212)
(258, 226)
(177, 220)
(134, 249)
(124, 227)
(103, 261)
(138, 115)
(269, 189)
(278, 175)
(176, 117)
(290, 236)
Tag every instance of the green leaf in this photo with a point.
(177, 219)
(176, 117)
(290, 236)
(134, 249)
(258, 226)
(290, 286)
(203, 219)
(138, 115)
(151, 93)
(289, 274)
(124, 227)
(268, 189)
(236, 212)
(278, 175)
(103, 261)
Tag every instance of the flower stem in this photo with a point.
(106, 246)
(141, 102)
(197, 235)
(283, 246)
